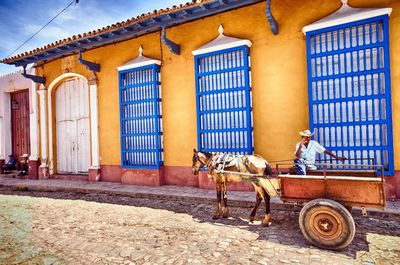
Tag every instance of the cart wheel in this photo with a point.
(327, 224)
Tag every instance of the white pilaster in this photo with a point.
(94, 122)
(43, 125)
(34, 126)
(7, 138)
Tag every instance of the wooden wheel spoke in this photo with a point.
(327, 224)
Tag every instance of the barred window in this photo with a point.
(223, 94)
(141, 117)
(349, 90)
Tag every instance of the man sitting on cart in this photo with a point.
(306, 151)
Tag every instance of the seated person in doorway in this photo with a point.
(23, 165)
(10, 165)
(306, 151)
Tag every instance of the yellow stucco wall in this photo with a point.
(109, 57)
(279, 75)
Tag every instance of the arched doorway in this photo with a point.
(72, 126)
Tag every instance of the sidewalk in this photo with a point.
(167, 192)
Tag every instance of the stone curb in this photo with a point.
(375, 213)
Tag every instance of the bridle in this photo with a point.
(202, 163)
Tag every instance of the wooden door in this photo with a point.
(72, 127)
(20, 123)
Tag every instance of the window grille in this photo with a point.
(349, 90)
(141, 117)
(223, 93)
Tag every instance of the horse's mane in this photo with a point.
(207, 154)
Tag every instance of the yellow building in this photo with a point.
(220, 76)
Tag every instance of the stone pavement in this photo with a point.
(134, 227)
(167, 192)
(148, 231)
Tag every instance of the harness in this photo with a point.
(218, 162)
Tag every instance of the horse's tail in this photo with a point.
(268, 170)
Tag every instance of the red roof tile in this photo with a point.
(118, 25)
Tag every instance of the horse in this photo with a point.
(258, 173)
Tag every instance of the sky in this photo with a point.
(20, 19)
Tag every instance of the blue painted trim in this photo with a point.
(140, 118)
(35, 78)
(222, 110)
(226, 150)
(236, 89)
(157, 103)
(142, 134)
(355, 148)
(352, 49)
(141, 84)
(310, 110)
(224, 130)
(142, 167)
(221, 72)
(172, 46)
(196, 70)
(120, 115)
(350, 123)
(89, 65)
(351, 74)
(136, 101)
(356, 126)
(388, 90)
(343, 100)
(272, 22)
(226, 110)
(249, 105)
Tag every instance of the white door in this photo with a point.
(72, 125)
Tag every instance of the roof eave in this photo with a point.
(127, 31)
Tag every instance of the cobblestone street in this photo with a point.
(124, 230)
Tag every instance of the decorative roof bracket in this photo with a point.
(34, 78)
(172, 46)
(89, 65)
(272, 22)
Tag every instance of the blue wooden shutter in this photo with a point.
(223, 93)
(349, 90)
(141, 117)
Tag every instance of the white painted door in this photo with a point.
(72, 125)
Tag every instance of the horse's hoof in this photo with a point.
(252, 219)
(216, 216)
(267, 220)
(226, 213)
(266, 224)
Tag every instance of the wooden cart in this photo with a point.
(328, 197)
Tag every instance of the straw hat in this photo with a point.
(306, 133)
